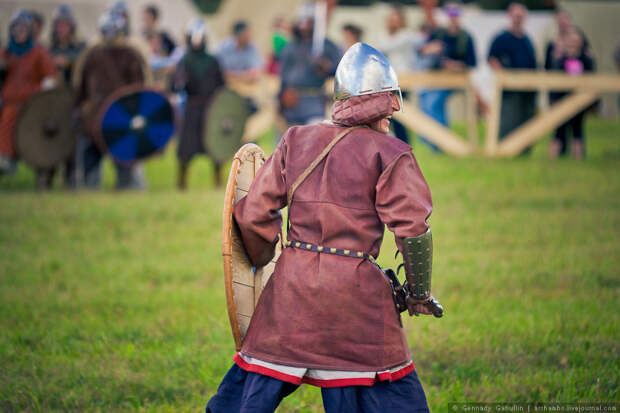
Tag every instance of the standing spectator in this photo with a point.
(279, 39)
(617, 60)
(29, 69)
(400, 43)
(569, 55)
(399, 46)
(513, 49)
(453, 50)
(302, 96)
(351, 34)
(198, 74)
(565, 28)
(429, 24)
(238, 56)
(150, 19)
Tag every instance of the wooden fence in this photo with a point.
(583, 91)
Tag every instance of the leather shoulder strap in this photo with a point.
(318, 160)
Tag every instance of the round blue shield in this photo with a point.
(137, 124)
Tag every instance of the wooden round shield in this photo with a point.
(244, 283)
(44, 134)
(225, 116)
(135, 123)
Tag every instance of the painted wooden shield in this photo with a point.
(226, 116)
(244, 283)
(44, 134)
(135, 123)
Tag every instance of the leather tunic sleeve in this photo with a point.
(258, 214)
(403, 199)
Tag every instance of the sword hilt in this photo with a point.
(435, 307)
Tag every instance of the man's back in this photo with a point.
(368, 180)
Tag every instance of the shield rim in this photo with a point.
(206, 114)
(227, 228)
(113, 97)
(22, 112)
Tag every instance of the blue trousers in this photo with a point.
(243, 392)
(433, 103)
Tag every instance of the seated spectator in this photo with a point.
(351, 34)
(513, 49)
(452, 49)
(569, 55)
(238, 56)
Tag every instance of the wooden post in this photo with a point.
(533, 130)
(435, 132)
(493, 116)
(471, 116)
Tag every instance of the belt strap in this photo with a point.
(306, 246)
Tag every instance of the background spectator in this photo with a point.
(351, 34)
(399, 45)
(279, 39)
(513, 49)
(150, 19)
(617, 60)
(302, 96)
(569, 55)
(400, 42)
(452, 49)
(238, 56)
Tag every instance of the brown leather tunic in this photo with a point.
(319, 310)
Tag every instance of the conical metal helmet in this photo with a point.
(364, 70)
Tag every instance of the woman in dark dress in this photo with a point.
(198, 74)
(569, 53)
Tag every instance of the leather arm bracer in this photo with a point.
(418, 263)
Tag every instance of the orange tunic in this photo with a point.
(24, 76)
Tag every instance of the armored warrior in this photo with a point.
(28, 69)
(327, 315)
(198, 74)
(107, 67)
(64, 45)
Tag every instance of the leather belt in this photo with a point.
(306, 246)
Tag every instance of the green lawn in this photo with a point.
(115, 301)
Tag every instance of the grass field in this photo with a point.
(115, 301)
